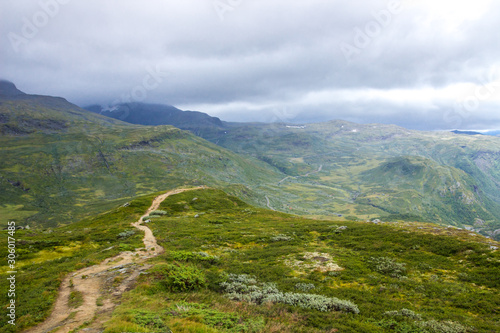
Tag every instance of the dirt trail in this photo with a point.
(305, 175)
(98, 282)
(269, 204)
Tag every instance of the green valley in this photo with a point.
(339, 169)
(331, 227)
(54, 175)
(378, 171)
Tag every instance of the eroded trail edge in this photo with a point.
(96, 283)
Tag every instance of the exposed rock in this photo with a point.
(479, 223)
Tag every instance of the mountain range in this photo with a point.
(62, 162)
(367, 171)
(211, 226)
(157, 114)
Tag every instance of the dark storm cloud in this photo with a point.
(420, 64)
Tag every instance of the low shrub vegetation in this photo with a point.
(345, 277)
(193, 256)
(231, 276)
(388, 266)
(126, 234)
(243, 288)
(305, 286)
(176, 277)
(148, 320)
(281, 238)
(158, 212)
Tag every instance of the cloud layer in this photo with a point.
(420, 64)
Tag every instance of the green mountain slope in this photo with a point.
(232, 267)
(378, 171)
(425, 190)
(459, 184)
(57, 153)
(157, 114)
(60, 163)
(22, 114)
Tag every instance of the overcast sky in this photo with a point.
(422, 64)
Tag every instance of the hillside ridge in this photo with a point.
(332, 169)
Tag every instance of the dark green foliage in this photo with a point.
(220, 320)
(150, 320)
(193, 256)
(392, 325)
(176, 277)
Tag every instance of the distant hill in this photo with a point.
(467, 132)
(375, 170)
(366, 171)
(23, 114)
(8, 88)
(491, 133)
(157, 114)
(60, 163)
